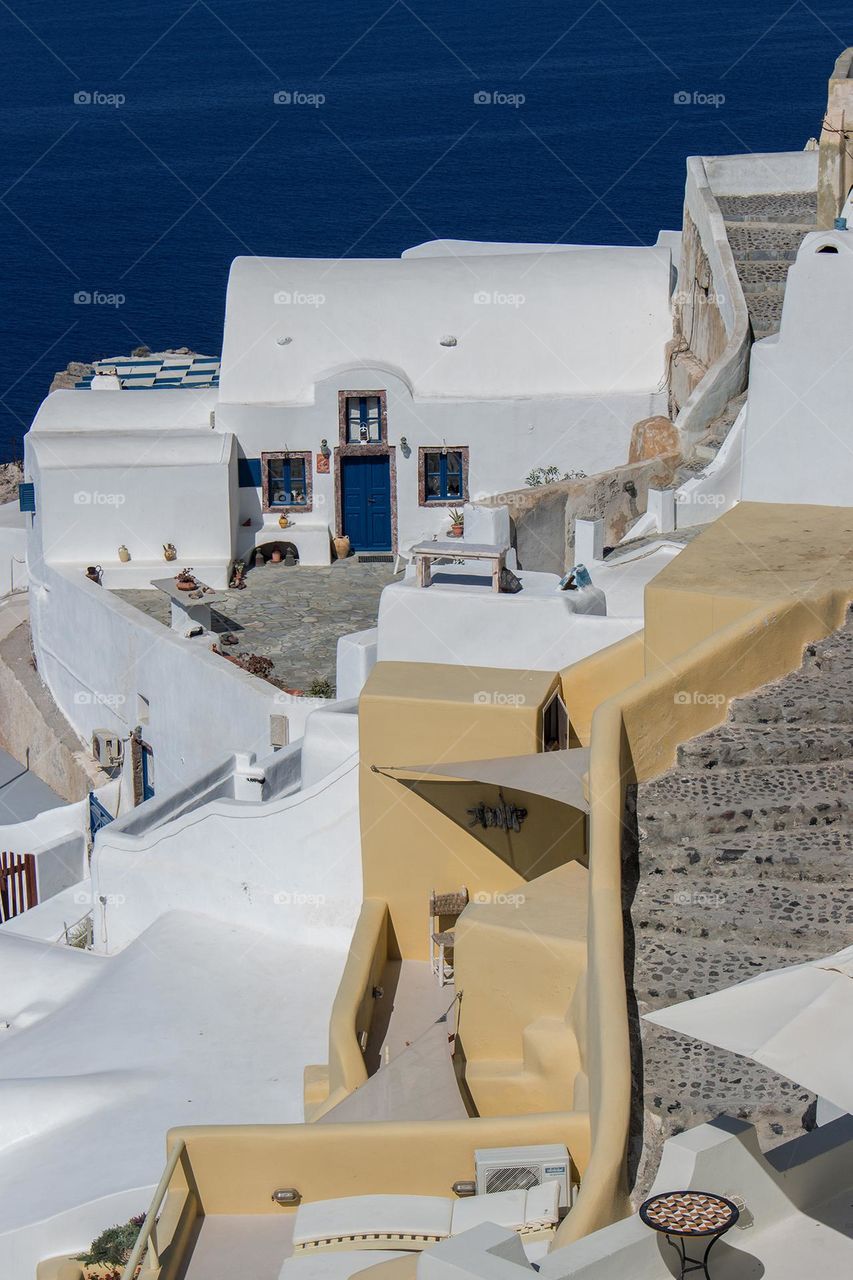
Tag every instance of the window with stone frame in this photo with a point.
(443, 476)
(286, 479)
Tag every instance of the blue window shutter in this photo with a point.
(27, 497)
(249, 473)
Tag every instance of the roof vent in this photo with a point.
(448, 340)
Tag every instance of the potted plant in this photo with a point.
(457, 523)
(169, 551)
(185, 580)
(108, 1253)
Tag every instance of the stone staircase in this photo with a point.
(743, 862)
(765, 232)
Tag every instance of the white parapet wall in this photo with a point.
(799, 434)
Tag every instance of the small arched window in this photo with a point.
(828, 248)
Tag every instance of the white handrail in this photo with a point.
(147, 1228)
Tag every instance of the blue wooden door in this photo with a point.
(147, 773)
(366, 501)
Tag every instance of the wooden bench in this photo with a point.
(425, 552)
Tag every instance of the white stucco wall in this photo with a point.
(505, 440)
(799, 431)
(13, 549)
(97, 654)
(290, 867)
(96, 491)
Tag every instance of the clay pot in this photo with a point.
(169, 551)
(184, 586)
(123, 554)
(342, 546)
(276, 556)
(284, 522)
(456, 530)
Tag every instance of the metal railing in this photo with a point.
(147, 1232)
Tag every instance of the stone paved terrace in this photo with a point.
(292, 615)
(743, 862)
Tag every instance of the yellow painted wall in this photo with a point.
(756, 553)
(519, 962)
(424, 713)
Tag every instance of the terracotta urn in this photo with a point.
(342, 546)
(169, 551)
(284, 522)
(123, 554)
(276, 556)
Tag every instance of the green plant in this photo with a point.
(457, 516)
(114, 1246)
(550, 475)
(320, 688)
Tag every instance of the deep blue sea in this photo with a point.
(142, 147)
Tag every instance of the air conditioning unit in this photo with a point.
(514, 1168)
(107, 748)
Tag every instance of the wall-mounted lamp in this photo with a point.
(282, 342)
(324, 448)
(405, 447)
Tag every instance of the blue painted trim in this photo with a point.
(249, 473)
(27, 497)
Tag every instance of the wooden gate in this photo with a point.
(18, 888)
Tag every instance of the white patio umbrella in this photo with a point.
(797, 1021)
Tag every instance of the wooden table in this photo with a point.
(425, 552)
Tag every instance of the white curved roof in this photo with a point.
(147, 410)
(67, 450)
(587, 322)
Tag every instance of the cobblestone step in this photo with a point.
(783, 207)
(754, 273)
(759, 744)
(747, 914)
(798, 700)
(685, 804)
(819, 855)
(762, 241)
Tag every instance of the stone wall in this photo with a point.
(835, 165)
(699, 331)
(11, 475)
(544, 518)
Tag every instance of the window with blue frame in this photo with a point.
(286, 481)
(364, 419)
(444, 476)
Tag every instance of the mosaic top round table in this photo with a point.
(690, 1215)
